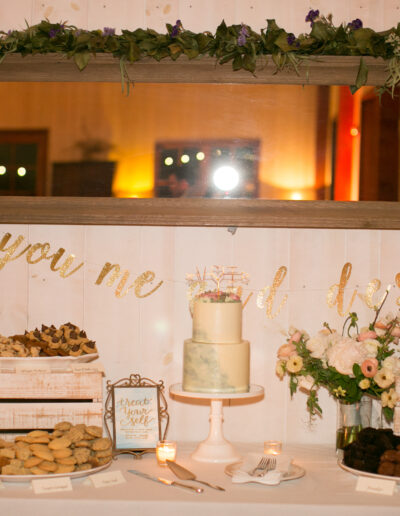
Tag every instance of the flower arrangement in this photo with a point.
(350, 365)
(238, 44)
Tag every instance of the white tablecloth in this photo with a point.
(324, 490)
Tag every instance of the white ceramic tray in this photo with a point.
(75, 474)
(58, 362)
(360, 473)
(294, 472)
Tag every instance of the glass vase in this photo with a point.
(351, 418)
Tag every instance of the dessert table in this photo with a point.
(324, 490)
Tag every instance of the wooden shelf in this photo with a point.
(324, 70)
(199, 212)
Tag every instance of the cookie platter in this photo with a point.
(74, 474)
(50, 361)
(361, 473)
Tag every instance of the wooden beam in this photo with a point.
(199, 212)
(323, 70)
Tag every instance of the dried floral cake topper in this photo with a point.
(225, 282)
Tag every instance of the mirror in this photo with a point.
(170, 140)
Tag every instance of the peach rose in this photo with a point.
(395, 331)
(367, 335)
(295, 337)
(287, 350)
(369, 367)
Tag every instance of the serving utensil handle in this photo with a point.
(219, 488)
(192, 488)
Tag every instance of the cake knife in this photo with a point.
(185, 474)
(165, 481)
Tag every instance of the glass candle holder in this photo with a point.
(165, 450)
(272, 447)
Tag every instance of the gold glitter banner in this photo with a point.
(37, 252)
(112, 276)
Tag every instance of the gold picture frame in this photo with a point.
(136, 414)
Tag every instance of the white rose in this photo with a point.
(392, 364)
(319, 344)
(371, 347)
(344, 354)
(306, 382)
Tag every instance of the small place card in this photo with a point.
(376, 485)
(51, 485)
(111, 478)
(29, 368)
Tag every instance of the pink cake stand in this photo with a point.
(216, 448)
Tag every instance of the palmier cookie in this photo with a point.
(89, 347)
(62, 453)
(95, 431)
(59, 442)
(32, 462)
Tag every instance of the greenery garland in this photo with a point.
(237, 44)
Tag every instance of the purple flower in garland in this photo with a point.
(108, 31)
(243, 35)
(176, 29)
(311, 16)
(56, 30)
(291, 39)
(355, 24)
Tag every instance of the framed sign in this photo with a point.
(136, 414)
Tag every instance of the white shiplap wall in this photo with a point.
(146, 335)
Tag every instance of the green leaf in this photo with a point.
(362, 76)
(282, 43)
(82, 59)
(237, 62)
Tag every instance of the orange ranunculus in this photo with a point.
(369, 367)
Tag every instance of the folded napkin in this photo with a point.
(272, 478)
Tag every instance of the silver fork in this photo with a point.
(261, 466)
(270, 467)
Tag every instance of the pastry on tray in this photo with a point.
(67, 449)
(49, 341)
(374, 451)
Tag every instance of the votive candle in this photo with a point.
(165, 450)
(272, 447)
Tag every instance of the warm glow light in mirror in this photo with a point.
(312, 141)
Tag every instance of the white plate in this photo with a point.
(54, 362)
(360, 473)
(75, 474)
(294, 472)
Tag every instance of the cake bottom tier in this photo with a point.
(219, 368)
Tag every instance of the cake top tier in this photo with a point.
(218, 296)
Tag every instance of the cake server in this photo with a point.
(185, 474)
(165, 481)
